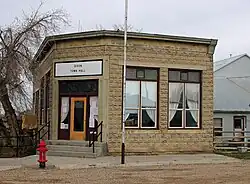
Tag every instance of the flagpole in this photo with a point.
(124, 82)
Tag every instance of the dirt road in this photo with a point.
(234, 173)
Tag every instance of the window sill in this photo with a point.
(175, 128)
(130, 128)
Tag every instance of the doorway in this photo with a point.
(78, 111)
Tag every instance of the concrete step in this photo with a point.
(72, 148)
(73, 143)
(69, 148)
(72, 154)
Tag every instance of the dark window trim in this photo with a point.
(143, 68)
(185, 82)
(185, 70)
(158, 92)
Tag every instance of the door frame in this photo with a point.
(75, 135)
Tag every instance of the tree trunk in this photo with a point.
(10, 114)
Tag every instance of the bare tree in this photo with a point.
(120, 27)
(18, 43)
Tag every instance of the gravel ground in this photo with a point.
(175, 174)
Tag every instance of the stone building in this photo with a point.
(169, 93)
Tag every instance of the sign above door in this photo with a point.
(79, 68)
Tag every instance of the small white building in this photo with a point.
(232, 95)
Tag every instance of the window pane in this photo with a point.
(192, 96)
(140, 74)
(176, 96)
(176, 121)
(65, 110)
(174, 75)
(238, 123)
(131, 117)
(132, 94)
(149, 94)
(192, 118)
(148, 117)
(194, 76)
(217, 122)
(184, 76)
(130, 73)
(78, 116)
(151, 74)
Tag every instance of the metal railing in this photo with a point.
(94, 135)
(231, 140)
(26, 144)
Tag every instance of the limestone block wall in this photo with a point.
(163, 55)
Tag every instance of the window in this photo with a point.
(218, 127)
(184, 98)
(42, 101)
(239, 122)
(37, 104)
(141, 98)
(47, 96)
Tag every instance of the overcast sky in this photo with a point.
(225, 20)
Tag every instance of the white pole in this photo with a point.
(124, 81)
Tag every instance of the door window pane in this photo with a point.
(176, 121)
(131, 117)
(79, 116)
(132, 94)
(65, 110)
(149, 94)
(148, 117)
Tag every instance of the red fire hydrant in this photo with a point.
(42, 154)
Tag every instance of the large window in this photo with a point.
(141, 98)
(184, 99)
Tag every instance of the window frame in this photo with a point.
(184, 110)
(139, 108)
(47, 95)
(36, 104)
(42, 100)
(220, 134)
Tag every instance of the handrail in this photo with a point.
(93, 132)
(35, 138)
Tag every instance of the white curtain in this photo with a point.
(151, 114)
(64, 108)
(149, 98)
(126, 115)
(192, 96)
(93, 102)
(175, 91)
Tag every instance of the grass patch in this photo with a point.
(235, 154)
